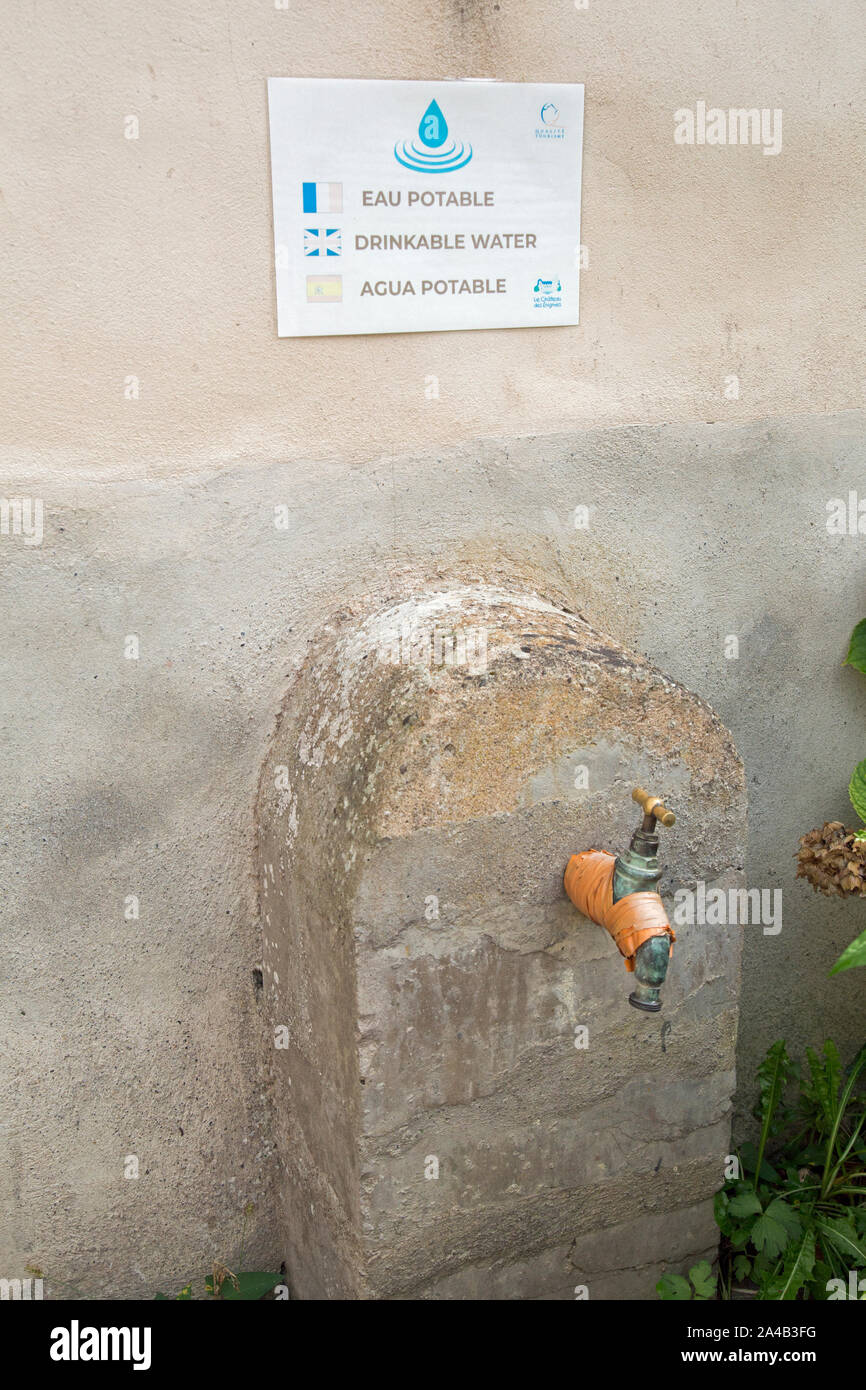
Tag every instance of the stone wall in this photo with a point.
(425, 975)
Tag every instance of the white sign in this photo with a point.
(402, 207)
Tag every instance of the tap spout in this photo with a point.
(621, 895)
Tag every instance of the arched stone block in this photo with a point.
(434, 767)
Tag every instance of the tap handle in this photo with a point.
(653, 807)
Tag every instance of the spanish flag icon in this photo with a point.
(324, 289)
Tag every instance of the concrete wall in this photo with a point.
(465, 1103)
(152, 258)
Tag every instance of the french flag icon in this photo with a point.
(323, 197)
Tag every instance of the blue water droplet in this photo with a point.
(433, 129)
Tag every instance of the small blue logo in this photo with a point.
(547, 294)
(433, 155)
(550, 128)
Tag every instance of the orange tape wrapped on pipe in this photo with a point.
(631, 921)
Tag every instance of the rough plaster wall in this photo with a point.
(153, 258)
(125, 776)
(454, 1036)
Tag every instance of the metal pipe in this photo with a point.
(600, 887)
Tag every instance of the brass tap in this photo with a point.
(653, 809)
(621, 894)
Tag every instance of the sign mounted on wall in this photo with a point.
(404, 207)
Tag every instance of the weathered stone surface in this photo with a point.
(425, 973)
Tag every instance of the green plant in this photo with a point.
(796, 1218)
(700, 1285)
(833, 859)
(857, 786)
(854, 954)
(222, 1284)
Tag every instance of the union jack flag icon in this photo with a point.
(322, 241)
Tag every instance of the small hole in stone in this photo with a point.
(258, 982)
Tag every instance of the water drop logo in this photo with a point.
(437, 153)
(433, 128)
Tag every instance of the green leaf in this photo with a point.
(854, 954)
(763, 1266)
(826, 1078)
(673, 1287)
(854, 1071)
(252, 1286)
(821, 1276)
(744, 1204)
(813, 1155)
(843, 1237)
(857, 648)
(771, 1234)
(749, 1155)
(796, 1272)
(785, 1215)
(857, 789)
(742, 1266)
(703, 1279)
(772, 1076)
(720, 1211)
